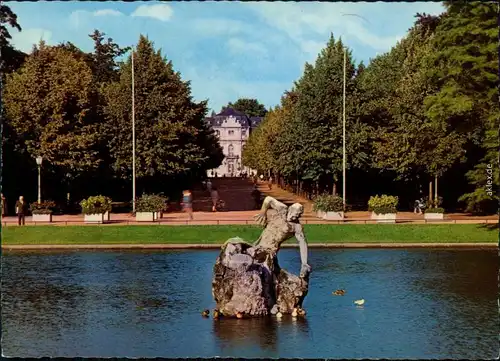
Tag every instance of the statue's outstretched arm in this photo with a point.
(269, 202)
(301, 239)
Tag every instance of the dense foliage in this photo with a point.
(328, 203)
(75, 110)
(383, 204)
(96, 205)
(46, 207)
(250, 107)
(424, 113)
(151, 203)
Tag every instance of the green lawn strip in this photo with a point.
(153, 234)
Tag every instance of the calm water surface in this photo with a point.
(419, 304)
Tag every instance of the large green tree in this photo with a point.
(50, 104)
(463, 65)
(11, 58)
(250, 107)
(171, 135)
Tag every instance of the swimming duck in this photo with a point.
(205, 313)
(239, 315)
(360, 302)
(339, 292)
(294, 313)
(279, 315)
(216, 313)
(301, 312)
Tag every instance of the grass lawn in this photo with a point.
(153, 234)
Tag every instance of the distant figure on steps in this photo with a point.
(187, 203)
(215, 198)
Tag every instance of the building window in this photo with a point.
(231, 132)
(230, 150)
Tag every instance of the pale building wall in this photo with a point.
(232, 137)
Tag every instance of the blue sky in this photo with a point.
(227, 50)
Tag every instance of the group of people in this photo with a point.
(187, 199)
(21, 209)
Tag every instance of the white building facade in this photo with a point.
(233, 129)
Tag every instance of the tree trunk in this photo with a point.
(430, 193)
(436, 190)
(334, 188)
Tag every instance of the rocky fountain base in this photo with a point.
(249, 281)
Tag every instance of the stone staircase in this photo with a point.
(235, 192)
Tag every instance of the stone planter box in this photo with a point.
(437, 216)
(330, 216)
(42, 218)
(384, 218)
(94, 218)
(145, 216)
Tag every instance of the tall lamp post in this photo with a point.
(343, 134)
(133, 133)
(39, 160)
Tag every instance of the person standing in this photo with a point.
(215, 198)
(21, 209)
(4, 206)
(187, 203)
(209, 186)
(270, 183)
(256, 197)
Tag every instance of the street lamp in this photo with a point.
(39, 160)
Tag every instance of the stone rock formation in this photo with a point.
(248, 280)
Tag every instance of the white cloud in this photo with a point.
(107, 12)
(303, 22)
(25, 39)
(162, 12)
(80, 17)
(215, 27)
(239, 46)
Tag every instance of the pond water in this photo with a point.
(419, 304)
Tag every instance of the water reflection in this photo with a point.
(419, 304)
(262, 332)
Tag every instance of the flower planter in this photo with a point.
(437, 216)
(384, 218)
(330, 216)
(94, 218)
(42, 217)
(145, 216)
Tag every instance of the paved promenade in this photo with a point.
(237, 195)
(246, 217)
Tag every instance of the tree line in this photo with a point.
(74, 109)
(421, 119)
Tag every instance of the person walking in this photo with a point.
(187, 203)
(270, 183)
(4, 206)
(21, 209)
(209, 186)
(256, 197)
(215, 198)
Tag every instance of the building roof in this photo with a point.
(241, 118)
